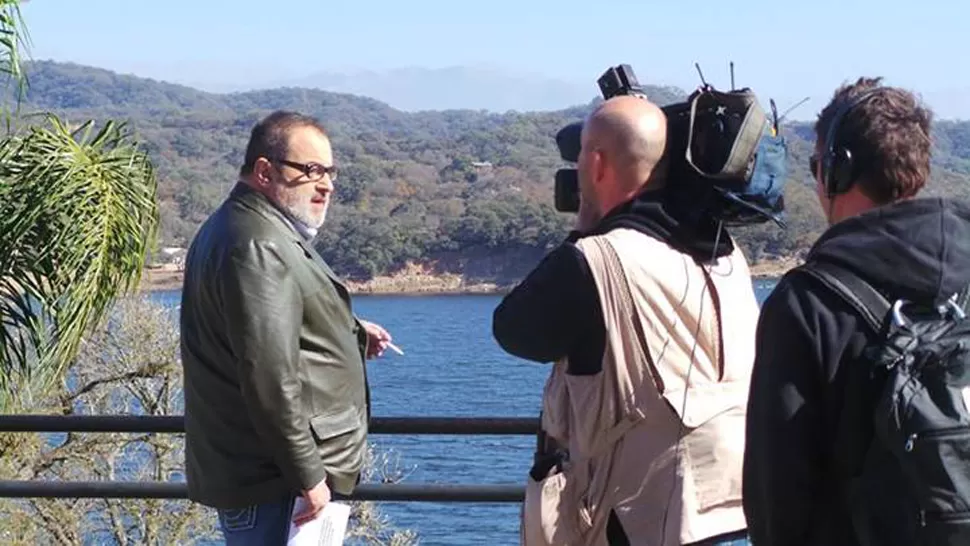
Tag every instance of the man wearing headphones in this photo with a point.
(812, 401)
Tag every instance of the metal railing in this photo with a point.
(426, 492)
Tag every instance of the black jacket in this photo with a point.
(810, 409)
(555, 311)
(276, 393)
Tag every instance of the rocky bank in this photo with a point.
(418, 279)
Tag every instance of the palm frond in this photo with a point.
(78, 213)
(14, 43)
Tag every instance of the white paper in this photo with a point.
(327, 529)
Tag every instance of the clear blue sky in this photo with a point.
(796, 49)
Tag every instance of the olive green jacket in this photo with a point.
(276, 394)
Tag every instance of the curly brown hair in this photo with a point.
(889, 136)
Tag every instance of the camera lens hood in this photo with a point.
(568, 141)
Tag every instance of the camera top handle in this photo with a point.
(619, 80)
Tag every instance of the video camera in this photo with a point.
(721, 150)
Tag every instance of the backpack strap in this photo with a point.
(871, 305)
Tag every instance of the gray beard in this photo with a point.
(301, 213)
(299, 217)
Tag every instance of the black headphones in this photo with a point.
(838, 171)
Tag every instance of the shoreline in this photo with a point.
(414, 280)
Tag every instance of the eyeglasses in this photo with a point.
(313, 171)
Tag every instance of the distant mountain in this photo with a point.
(462, 87)
(463, 191)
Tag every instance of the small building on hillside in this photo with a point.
(171, 256)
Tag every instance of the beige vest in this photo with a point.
(622, 425)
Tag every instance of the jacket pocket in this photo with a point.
(335, 423)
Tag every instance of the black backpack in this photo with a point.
(921, 362)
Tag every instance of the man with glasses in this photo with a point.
(816, 472)
(276, 395)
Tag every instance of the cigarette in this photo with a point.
(395, 348)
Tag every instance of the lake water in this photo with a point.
(453, 367)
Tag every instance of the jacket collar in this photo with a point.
(256, 201)
(243, 193)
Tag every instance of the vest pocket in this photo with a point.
(704, 402)
(590, 412)
(552, 514)
(713, 441)
(714, 454)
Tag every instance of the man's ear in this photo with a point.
(263, 172)
(599, 165)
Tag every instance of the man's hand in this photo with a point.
(316, 499)
(377, 338)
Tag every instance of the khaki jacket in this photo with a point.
(621, 426)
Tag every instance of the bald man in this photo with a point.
(630, 306)
(622, 142)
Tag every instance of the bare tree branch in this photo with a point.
(131, 366)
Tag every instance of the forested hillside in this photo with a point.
(469, 191)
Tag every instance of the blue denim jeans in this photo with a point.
(261, 524)
(737, 538)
